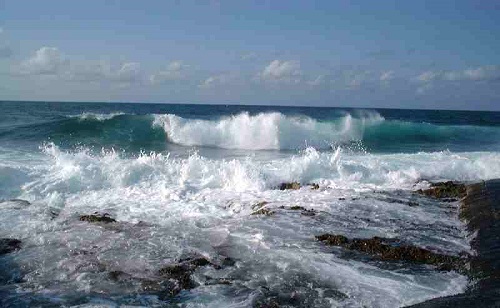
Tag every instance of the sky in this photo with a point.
(387, 54)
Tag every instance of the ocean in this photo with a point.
(191, 181)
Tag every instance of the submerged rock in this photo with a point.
(314, 186)
(259, 205)
(445, 190)
(21, 202)
(8, 245)
(290, 185)
(104, 218)
(393, 250)
(263, 211)
(305, 212)
(181, 273)
(170, 280)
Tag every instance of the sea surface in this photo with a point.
(184, 181)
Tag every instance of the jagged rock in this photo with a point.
(215, 281)
(263, 211)
(259, 205)
(104, 218)
(291, 185)
(8, 245)
(181, 273)
(228, 262)
(171, 279)
(393, 250)
(305, 212)
(314, 186)
(445, 190)
(21, 202)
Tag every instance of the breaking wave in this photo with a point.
(261, 131)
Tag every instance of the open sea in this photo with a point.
(187, 181)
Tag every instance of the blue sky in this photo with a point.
(396, 54)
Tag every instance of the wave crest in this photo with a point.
(264, 131)
(96, 116)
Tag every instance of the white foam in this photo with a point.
(264, 131)
(198, 204)
(96, 116)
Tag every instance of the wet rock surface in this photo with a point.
(393, 250)
(180, 274)
(8, 245)
(448, 191)
(304, 211)
(263, 211)
(480, 209)
(290, 185)
(170, 280)
(97, 218)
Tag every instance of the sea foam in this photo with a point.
(265, 131)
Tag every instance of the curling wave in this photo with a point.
(265, 131)
(261, 131)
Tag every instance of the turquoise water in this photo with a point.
(182, 180)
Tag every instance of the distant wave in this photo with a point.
(265, 131)
(96, 116)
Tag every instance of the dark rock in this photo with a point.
(268, 303)
(332, 239)
(291, 185)
(314, 186)
(119, 276)
(305, 212)
(342, 199)
(21, 202)
(228, 262)
(181, 273)
(104, 218)
(308, 213)
(393, 250)
(263, 211)
(216, 281)
(8, 245)
(445, 190)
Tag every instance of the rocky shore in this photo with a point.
(480, 209)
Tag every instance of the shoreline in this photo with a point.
(480, 210)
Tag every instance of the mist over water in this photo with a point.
(183, 180)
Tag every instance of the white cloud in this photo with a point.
(386, 76)
(128, 73)
(288, 71)
(491, 72)
(45, 61)
(214, 81)
(175, 71)
(429, 76)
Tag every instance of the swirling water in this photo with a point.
(183, 179)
